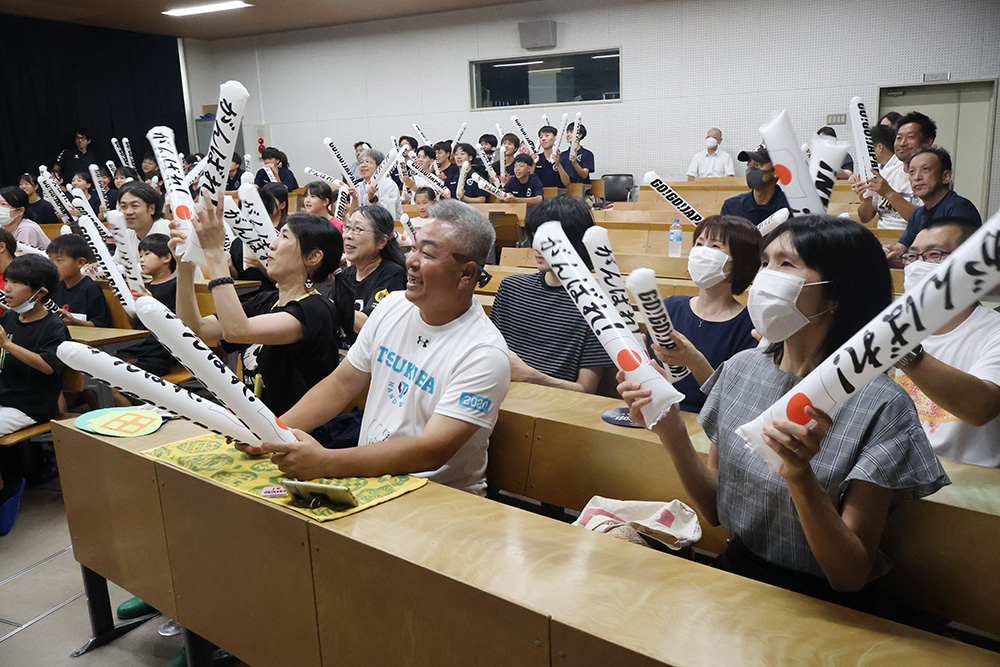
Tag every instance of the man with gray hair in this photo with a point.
(435, 366)
(713, 162)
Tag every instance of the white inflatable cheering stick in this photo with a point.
(562, 131)
(127, 145)
(789, 167)
(670, 196)
(246, 163)
(95, 178)
(53, 193)
(196, 170)
(81, 203)
(501, 157)
(382, 170)
(211, 371)
(133, 380)
(255, 213)
(824, 162)
(772, 221)
(343, 197)
(575, 145)
(524, 135)
(435, 182)
(458, 137)
(866, 164)
(341, 162)
(233, 98)
(423, 137)
(486, 163)
(334, 182)
(118, 284)
(609, 276)
(486, 186)
(620, 344)
(118, 150)
(129, 255)
(642, 284)
(161, 138)
(962, 279)
(112, 168)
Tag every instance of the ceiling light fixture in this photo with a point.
(550, 69)
(606, 55)
(528, 62)
(207, 9)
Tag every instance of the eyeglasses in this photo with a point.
(351, 229)
(932, 256)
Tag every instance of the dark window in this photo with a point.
(572, 77)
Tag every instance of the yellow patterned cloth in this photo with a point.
(209, 456)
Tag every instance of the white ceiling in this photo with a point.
(266, 16)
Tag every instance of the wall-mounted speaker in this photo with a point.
(537, 34)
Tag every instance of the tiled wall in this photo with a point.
(686, 65)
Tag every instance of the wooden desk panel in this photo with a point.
(510, 452)
(113, 507)
(99, 336)
(241, 570)
(394, 603)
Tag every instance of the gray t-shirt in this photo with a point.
(876, 437)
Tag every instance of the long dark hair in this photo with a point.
(316, 233)
(384, 227)
(851, 258)
(273, 194)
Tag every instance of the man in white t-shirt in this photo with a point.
(955, 380)
(436, 367)
(713, 162)
(894, 173)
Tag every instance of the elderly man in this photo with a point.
(765, 197)
(954, 377)
(713, 162)
(436, 367)
(930, 178)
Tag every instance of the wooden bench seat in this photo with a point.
(25, 433)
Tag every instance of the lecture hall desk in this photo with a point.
(435, 577)
(943, 547)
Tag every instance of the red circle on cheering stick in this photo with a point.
(796, 409)
(629, 360)
(784, 174)
(183, 212)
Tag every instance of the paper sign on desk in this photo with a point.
(209, 456)
(120, 422)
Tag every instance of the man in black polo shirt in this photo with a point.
(765, 197)
(80, 157)
(930, 178)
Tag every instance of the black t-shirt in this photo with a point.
(234, 182)
(42, 212)
(366, 294)
(85, 298)
(32, 392)
(148, 354)
(450, 176)
(548, 173)
(285, 176)
(285, 373)
(533, 188)
(112, 199)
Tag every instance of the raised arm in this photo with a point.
(972, 400)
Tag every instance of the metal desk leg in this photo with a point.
(102, 622)
(199, 649)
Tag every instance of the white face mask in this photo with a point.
(706, 266)
(26, 306)
(711, 142)
(914, 272)
(6, 216)
(772, 304)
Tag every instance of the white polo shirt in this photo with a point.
(711, 165)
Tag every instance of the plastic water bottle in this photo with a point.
(674, 249)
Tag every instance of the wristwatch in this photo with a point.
(910, 357)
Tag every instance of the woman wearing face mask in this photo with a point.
(813, 526)
(713, 326)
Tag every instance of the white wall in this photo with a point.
(686, 65)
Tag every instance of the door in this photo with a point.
(964, 112)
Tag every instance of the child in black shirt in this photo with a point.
(30, 371)
(80, 300)
(525, 186)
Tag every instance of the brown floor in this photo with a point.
(43, 612)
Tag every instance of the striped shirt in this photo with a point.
(876, 437)
(542, 325)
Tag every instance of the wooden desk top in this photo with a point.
(487, 209)
(625, 597)
(98, 336)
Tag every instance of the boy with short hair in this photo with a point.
(235, 175)
(547, 167)
(30, 371)
(80, 300)
(488, 142)
(509, 145)
(575, 168)
(449, 170)
(525, 186)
